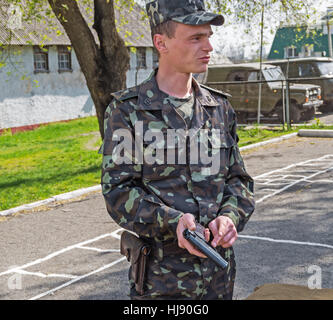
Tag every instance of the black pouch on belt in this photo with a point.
(136, 251)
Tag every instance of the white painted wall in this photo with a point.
(57, 96)
(134, 76)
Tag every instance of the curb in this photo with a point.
(80, 192)
(313, 133)
(59, 197)
(274, 140)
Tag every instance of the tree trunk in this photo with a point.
(104, 65)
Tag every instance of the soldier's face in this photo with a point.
(189, 50)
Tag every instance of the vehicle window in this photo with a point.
(237, 76)
(306, 70)
(273, 74)
(325, 67)
(253, 76)
(292, 72)
(283, 67)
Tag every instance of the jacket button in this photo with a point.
(209, 99)
(147, 102)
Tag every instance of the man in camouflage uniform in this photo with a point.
(159, 199)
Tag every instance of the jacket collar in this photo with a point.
(151, 98)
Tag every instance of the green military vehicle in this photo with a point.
(313, 67)
(304, 98)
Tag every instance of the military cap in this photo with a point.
(190, 12)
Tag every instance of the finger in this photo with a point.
(180, 244)
(226, 231)
(222, 229)
(189, 221)
(229, 235)
(191, 249)
(195, 252)
(215, 242)
(229, 242)
(213, 227)
(207, 234)
(218, 235)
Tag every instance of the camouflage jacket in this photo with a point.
(148, 198)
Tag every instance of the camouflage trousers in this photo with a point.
(183, 276)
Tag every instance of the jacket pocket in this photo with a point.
(215, 150)
(163, 160)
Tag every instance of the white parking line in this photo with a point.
(54, 254)
(283, 179)
(43, 275)
(77, 279)
(287, 241)
(266, 178)
(81, 245)
(292, 184)
(98, 249)
(295, 165)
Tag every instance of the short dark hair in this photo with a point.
(168, 28)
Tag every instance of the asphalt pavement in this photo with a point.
(71, 250)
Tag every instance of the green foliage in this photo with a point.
(319, 124)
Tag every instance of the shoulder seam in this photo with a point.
(216, 91)
(126, 94)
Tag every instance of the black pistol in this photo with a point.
(198, 240)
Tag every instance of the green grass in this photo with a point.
(258, 134)
(50, 160)
(62, 157)
(254, 135)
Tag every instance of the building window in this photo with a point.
(155, 58)
(64, 58)
(308, 50)
(41, 59)
(306, 70)
(141, 58)
(291, 52)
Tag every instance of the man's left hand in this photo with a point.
(224, 232)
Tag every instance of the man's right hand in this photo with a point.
(187, 221)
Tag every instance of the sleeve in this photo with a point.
(238, 198)
(128, 201)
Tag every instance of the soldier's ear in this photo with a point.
(160, 43)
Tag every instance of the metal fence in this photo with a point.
(292, 101)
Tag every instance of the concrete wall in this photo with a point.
(55, 96)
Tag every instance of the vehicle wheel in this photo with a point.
(308, 114)
(279, 112)
(241, 117)
(325, 108)
(295, 113)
